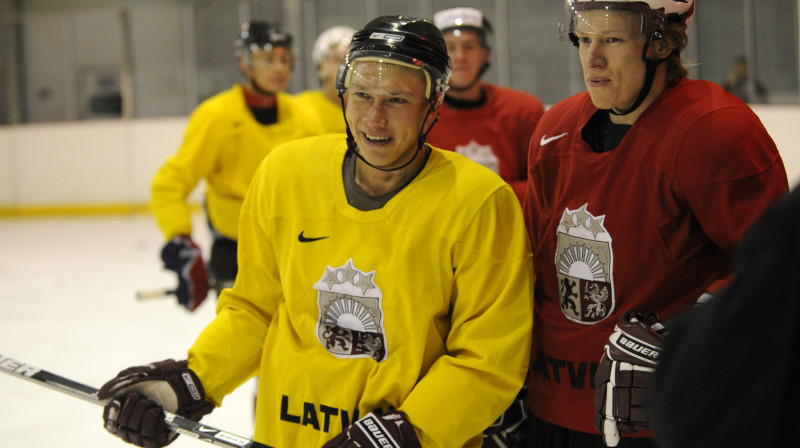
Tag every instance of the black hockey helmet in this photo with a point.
(255, 36)
(402, 40)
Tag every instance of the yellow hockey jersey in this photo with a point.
(424, 305)
(223, 144)
(329, 112)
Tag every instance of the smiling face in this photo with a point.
(386, 107)
(610, 44)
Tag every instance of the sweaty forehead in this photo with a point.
(605, 21)
(387, 78)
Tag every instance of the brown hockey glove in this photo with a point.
(139, 395)
(390, 430)
(182, 256)
(630, 357)
(509, 430)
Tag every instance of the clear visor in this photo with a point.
(385, 66)
(633, 20)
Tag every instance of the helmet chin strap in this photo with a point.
(650, 72)
(352, 146)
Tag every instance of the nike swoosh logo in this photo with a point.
(304, 239)
(545, 140)
(208, 430)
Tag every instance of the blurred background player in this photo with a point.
(226, 138)
(739, 83)
(385, 285)
(328, 52)
(638, 190)
(490, 124)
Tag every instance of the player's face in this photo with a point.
(272, 69)
(329, 66)
(468, 56)
(386, 106)
(610, 45)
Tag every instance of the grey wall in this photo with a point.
(163, 57)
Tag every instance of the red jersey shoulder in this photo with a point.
(517, 101)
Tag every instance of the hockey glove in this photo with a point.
(509, 431)
(390, 430)
(630, 357)
(138, 396)
(182, 256)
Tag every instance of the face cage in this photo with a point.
(653, 22)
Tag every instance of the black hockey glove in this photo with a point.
(509, 430)
(139, 395)
(390, 430)
(182, 256)
(630, 357)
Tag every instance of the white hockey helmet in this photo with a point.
(655, 15)
(337, 36)
(456, 19)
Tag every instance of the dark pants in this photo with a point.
(542, 434)
(223, 265)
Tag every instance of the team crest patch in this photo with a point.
(584, 265)
(350, 323)
(482, 154)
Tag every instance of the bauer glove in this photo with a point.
(509, 430)
(630, 357)
(182, 256)
(139, 395)
(390, 430)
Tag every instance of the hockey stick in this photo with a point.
(165, 292)
(175, 422)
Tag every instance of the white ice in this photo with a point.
(67, 305)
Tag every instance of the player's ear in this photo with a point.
(660, 49)
(245, 67)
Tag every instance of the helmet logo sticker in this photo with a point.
(584, 266)
(350, 321)
(386, 36)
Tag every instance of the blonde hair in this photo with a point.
(675, 37)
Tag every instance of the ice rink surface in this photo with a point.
(67, 305)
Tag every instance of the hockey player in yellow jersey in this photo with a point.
(329, 49)
(226, 138)
(384, 294)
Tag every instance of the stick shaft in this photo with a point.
(175, 422)
(159, 293)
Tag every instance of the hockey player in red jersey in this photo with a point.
(490, 124)
(638, 190)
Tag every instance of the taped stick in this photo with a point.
(175, 422)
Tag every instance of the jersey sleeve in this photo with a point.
(489, 340)
(235, 338)
(180, 174)
(732, 182)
